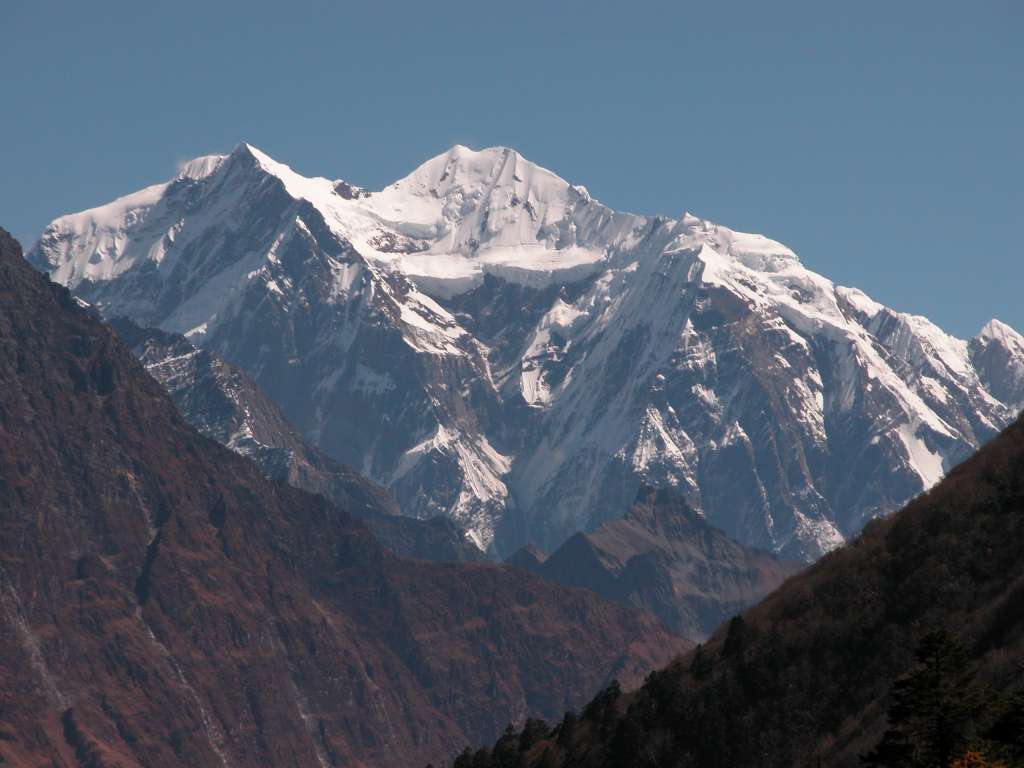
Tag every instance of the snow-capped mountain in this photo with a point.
(489, 341)
(998, 356)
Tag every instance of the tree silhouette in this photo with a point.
(934, 709)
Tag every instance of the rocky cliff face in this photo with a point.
(664, 557)
(162, 603)
(225, 404)
(489, 342)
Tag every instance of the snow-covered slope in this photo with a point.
(489, 341)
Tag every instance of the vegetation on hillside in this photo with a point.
(905, 648)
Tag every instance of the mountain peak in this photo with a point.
(243, 152)
(997, 353)
(466, 172)
(245, 149)
(997, 330)
(491, 210)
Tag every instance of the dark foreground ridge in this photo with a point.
(917, 628)
(164, 604)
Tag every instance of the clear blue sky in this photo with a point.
(881, 140)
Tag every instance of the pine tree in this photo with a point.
(702, 663)
(506, 750)
(465, 759)
(602, 709)
(567, 730)
(534, 731)
(737, 637)
(934, 709)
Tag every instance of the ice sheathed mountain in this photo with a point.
(489, 341)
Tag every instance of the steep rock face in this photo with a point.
(488, 341)
(662, 556)
(162, 603)
(223, 403)
(806, 677)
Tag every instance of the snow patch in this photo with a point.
(925, 462)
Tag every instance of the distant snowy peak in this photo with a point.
(465, 214)
(998, 354)
(459, 216)
(998, 331)
(470, 213)
(462, 183)
(492, 343)
(100, 244)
